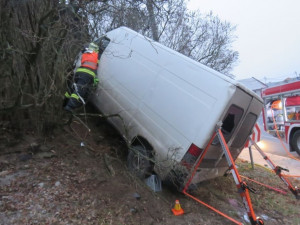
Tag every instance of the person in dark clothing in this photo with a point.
(84, 79)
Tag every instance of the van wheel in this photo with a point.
(296, 142)
(139, 162)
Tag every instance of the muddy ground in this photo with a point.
(80, 177)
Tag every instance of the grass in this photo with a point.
(280, 208)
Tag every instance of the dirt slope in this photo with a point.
(80, 177)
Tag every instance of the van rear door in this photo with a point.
(238, 122)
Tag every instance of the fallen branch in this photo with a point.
(108, 165)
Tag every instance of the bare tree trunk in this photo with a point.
(35, 59)
(152, 21)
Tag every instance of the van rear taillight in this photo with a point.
(191, 156)
(194, 150)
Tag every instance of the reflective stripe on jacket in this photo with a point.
(75, 96)
(89, 60)
(84, 70)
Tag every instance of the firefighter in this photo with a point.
(84, 79)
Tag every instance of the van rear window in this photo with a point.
(231, 120)
(244, 131)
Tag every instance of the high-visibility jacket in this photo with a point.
(89, 60)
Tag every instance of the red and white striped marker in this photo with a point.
(255, 136)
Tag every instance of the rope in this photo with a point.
(271, 171)
(84, 124)
(76, 90)
(212, 208)
(265, 185)
(281, 141)
(77, 134)
(287, 175)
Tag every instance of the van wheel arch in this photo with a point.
(140, 158)
(139, 140)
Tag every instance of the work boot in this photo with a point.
(73, 104)
(68, 108)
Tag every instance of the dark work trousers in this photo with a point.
(81, 87)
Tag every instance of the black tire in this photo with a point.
(295, 143)
(139, 162)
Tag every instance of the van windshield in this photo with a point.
(102, 42)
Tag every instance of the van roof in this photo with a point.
(117, 32)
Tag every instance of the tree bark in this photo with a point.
(152, 21)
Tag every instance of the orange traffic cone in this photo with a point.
(177, 210)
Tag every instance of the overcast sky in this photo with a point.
(268, 35)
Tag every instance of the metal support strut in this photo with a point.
(242, 187)
(277, 170)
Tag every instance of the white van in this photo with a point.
(168, 106)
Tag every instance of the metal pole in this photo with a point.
(251, 157)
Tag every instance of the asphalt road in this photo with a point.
(274, 149)
(274, 145)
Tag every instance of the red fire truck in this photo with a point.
(282, 112)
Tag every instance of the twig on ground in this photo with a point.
(108, 165)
